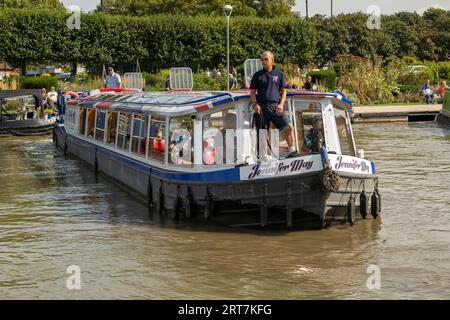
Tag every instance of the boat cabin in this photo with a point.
(207, 130)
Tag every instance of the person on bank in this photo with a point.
(268, 95)
(309, 84)
(428, 92)
(52, 101)
(112, 80)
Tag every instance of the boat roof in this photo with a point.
(176, 103)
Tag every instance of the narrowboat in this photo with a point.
(22, 114)
(443, 117)
(199, 156)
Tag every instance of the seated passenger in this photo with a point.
(180, 149)
(112, 135)
(314, 140)
(158, 142)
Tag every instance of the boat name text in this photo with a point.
(294, 166)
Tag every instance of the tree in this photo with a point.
(35, 4)
(261, 8)
(436, 34)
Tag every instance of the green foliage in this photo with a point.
(446, 102)
(203, 82)
(157, 41)
(265, 8)
(155, 82)
(38, 82)
(34, 4)
(82, 78)
(403, 34)
(410, 88)
(178, 39)
(365, 78)
(444, 70)
(325, 77)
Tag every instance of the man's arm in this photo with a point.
(254, 100)
(282, 101)
(283, 93)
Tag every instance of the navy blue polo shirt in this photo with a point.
(268, 85)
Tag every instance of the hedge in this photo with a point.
(38, 82)
(163, 41)
(159, 41)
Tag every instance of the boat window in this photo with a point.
(112, 128)
(344, 133)
(139, 137)
(216, 150)
(123, 132)
(181, 141)
(91, 123)
(156, 139)
(82, 121)
(309, 126)
(100, 126)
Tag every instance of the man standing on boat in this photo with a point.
(268, 94)
(112, 79)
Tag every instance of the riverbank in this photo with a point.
(395, 113)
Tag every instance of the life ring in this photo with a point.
(209, 155)
(181, 145)
(211, 140)
(159, 145)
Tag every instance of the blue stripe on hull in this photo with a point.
(228, 175)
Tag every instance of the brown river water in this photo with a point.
(55, 214)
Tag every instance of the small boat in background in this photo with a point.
(444, 115)
(22, 114)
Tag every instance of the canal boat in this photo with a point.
(200, 156)
(443, 117)
(21, 114)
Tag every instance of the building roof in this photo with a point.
(5, 66)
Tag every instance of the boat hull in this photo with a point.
(296, 201)
(443, 118)
(30, 127)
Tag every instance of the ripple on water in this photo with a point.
(54, 214)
